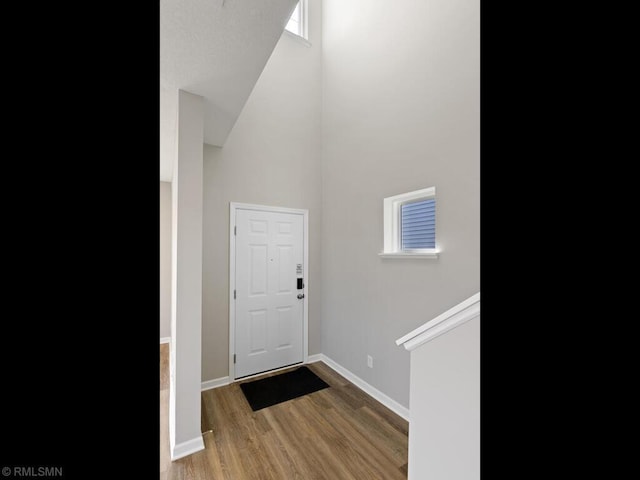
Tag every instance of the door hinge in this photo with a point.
(234, 358)
(235, 230)
(234, 294)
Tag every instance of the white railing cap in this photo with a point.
(452, 318)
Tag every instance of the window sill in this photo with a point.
(298, 38)
(408, 255)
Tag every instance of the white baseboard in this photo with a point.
(374, 392)
(314, 358)
(187, 448)
(215, 383)
(353, 378)
(165, 339)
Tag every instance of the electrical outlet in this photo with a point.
(369, 361)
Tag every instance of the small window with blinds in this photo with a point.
(418, 225)
(410, 225)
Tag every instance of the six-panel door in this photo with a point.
(269, 315)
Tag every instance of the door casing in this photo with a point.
(233, 206)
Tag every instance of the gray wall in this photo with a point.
(401, 108)
(165, 259)
(272, 157)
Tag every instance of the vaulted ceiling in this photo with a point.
(216, 49)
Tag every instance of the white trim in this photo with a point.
(298, 38)
(320, 357)
(305, 291)
(452, 318)
(268, 372)
(232, 286)
(304, 23)
(233, 206)
(165, 340)
(408, 255)
(187, 448)
(391, 219)
(266, 208)
(429, 192)
(314, 358)
(215, 383)
(362, 385)
(304, 19)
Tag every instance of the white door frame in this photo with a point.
(233, 206)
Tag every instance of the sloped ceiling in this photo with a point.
(216, 49)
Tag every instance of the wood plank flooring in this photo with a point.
(336, 433)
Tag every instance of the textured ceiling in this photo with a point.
(216, 49)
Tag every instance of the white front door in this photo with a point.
(269, 307)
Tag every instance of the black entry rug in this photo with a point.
(280, 388)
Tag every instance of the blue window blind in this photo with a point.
(418, 225)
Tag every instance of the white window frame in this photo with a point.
(392, 232)
(304, 24)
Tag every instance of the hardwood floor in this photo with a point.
(164, 366)
(336, 433)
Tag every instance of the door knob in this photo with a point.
(300, 295)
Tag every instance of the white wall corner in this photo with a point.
(189, 447)
(165, 340)
(186, 316)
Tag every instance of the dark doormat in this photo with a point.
(280, 388)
